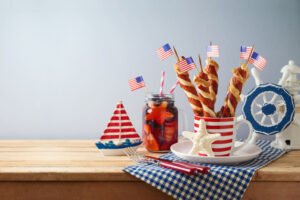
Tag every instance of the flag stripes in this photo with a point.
(212, 51)
(164, 51)
(136, 83)
(258, 61)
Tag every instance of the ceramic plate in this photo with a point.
(246, 153)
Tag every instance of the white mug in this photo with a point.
(226, 127)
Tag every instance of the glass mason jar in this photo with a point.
(160, 122)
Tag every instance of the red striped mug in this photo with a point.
(226, 127)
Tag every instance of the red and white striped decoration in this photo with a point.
(164, 51)
(162, 83)
(120, 127)
(212, 51)
(223, 126)
(246, 54)
(184, 66)
(174, 87)
(259, 62)
(136, 83)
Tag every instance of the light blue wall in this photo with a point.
(65, 64)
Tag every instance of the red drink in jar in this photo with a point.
(160, 122)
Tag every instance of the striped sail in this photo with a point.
(119, 129)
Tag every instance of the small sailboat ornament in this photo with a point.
(119, 133)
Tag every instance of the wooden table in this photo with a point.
(75, 169)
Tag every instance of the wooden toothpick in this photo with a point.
(176, 55)
(210, 43)
(247, 61)
(197, 69)
(200, 63)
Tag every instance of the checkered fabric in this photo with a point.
(224, 182)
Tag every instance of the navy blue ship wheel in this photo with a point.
(269, 108)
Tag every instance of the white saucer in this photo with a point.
(246, 153)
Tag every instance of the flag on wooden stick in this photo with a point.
(212, 51)
(186, 64)
(258, 61)
(164, 52)
(245, 52)
(136, 83)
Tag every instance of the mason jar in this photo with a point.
(160, 122)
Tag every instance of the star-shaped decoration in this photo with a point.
(202, 140)
(159, 113)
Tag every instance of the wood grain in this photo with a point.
(110, 190)
(75, 169)
(121, 190)
(272, 190)
(80, 160)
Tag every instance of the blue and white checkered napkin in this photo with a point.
(224, 182)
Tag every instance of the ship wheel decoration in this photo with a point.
(269, 108)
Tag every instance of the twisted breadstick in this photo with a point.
(190, 91)
(211, 70)
(206, 94)
(240, 76)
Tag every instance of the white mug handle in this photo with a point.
(238, 123)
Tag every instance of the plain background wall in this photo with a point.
(65, 64)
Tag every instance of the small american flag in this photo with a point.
(212, 51)
(191, 62)
(245, 52)
(257, 61)
(164, 52)
(186, 64)
(136, 83)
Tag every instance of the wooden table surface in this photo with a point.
(63, 169)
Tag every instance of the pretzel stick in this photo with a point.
(206, 94)
(240, 76)
(211, 70)
(190, 90)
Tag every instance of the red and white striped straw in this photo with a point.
(173, 88)
(162, 83)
